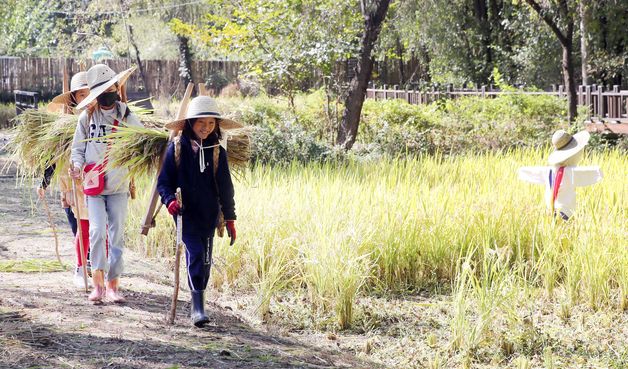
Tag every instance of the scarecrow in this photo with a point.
(196, 163)
(563, 175)
(106, 188)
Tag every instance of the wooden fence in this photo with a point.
(45, 75)
(603, 103)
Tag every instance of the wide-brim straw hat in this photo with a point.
(99, 78)
(78, 82)
(202, 107)
(566, 145)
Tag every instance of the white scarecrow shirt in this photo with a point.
(573, 176)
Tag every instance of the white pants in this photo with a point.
(107, 214)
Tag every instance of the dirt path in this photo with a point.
(46, 322)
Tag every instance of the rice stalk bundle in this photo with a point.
(139, 149)
(26, 146)
(42, 139)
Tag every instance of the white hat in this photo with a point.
(566, 145)
(201, 107)
(99, 78)
(78, 82)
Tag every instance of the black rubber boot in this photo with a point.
(197, 314)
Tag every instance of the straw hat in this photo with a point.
(566, 145)
(78, 82)
(99, 78)
(201, 107)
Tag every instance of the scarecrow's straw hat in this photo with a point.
(78, 82)
(201, 107)
(99, 78)
(566, 145)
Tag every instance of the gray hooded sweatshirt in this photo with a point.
(87, 149)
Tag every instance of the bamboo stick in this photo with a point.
(177, 257)
(54, 229)
(77, 206)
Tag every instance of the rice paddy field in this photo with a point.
(431, 262)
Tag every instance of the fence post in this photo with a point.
(616, 103)
(450, 89)
(483, 91)
(600, 102)
(385, 91)
(561, 90)
(395, 91)
(587, 99)
(581, 95)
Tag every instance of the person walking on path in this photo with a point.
(196, 162)
(106, 189)
(67, 102)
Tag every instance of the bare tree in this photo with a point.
(374, 13)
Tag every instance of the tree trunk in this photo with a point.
(569, 78)
(584, 47)
(402, 77)
(373, 19)
(566, 41)
(138, 60)
(185, 60)
(481, 16)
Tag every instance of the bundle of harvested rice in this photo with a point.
(27, 147)
(139, 149)
(42, 139)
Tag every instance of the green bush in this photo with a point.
(396, 128)
(285, 144)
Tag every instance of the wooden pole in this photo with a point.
(66, 85)
(147, 223)
(54, 229)
(177, 257)
(77, 206)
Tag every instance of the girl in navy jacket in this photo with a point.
(197, 163)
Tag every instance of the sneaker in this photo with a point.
(78, 277)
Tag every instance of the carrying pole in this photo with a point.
(148, 221)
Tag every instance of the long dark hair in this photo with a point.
(213, 137)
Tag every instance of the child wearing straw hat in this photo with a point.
(563, 175)
(66, 102)
(197, 163)
(106, 189)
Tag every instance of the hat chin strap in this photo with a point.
(201, 154)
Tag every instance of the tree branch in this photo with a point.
(548, 20)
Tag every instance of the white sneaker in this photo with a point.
(78, 277)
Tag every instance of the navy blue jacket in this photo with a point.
(201, 202)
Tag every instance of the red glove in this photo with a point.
(174, 208)
(231, 231)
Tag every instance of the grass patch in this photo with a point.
(31, 266)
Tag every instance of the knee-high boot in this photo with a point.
(197, 314)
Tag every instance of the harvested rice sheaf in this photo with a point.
(42, 139)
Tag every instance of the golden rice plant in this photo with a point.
(399, 225)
